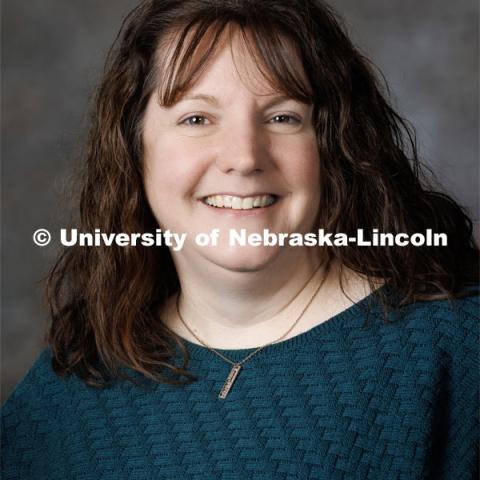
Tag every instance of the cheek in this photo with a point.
(302, 166)
(174, 166)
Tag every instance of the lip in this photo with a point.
(240, 195)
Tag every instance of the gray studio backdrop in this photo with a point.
(52, 56)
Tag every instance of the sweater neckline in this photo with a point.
(358, 310)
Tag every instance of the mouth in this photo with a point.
(233, 202)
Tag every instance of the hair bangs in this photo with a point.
(186, 53)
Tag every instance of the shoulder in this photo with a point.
(436, 331)
(36, 419)
(447, 329)
(40, 395)
(456, 318)
(450, 316)
(36, 396)
(39, 381)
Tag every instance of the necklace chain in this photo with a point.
(231, 362)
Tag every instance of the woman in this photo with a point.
(230, 361)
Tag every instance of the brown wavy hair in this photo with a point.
(104, 301)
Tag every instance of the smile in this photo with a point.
(240, 203)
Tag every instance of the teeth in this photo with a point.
(238, 203)
(247, 203)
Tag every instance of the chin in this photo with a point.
(244, 259)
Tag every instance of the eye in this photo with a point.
(194, 120)
(284, 118)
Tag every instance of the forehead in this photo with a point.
(184, 55)
(231, 70)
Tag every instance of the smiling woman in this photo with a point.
(242, 152)
(269, 361)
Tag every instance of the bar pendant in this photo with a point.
(229, 382)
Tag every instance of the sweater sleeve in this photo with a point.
(26, 415)
(455, 414)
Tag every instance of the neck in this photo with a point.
(228, 309)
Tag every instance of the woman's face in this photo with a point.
(220, 156)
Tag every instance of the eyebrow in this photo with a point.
(216, 102)
(200, 96)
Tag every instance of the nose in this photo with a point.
(243, 150)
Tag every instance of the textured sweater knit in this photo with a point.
(343, 400)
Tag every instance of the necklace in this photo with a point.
(236, 366)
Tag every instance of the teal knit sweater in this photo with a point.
(344, 400)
